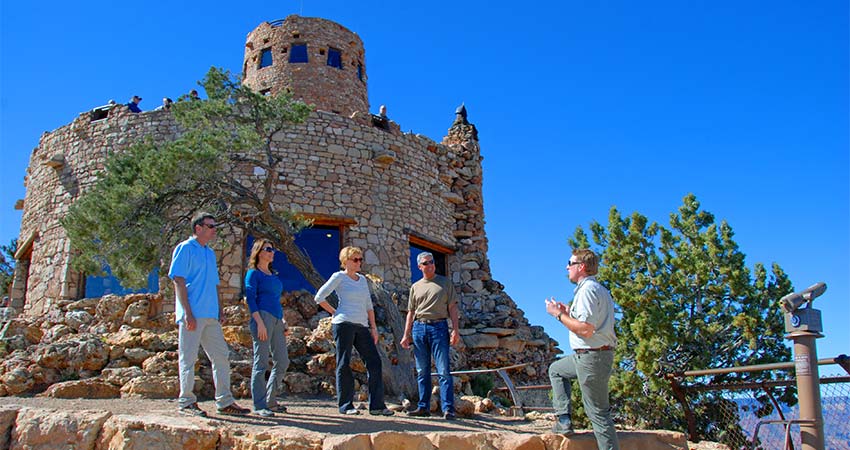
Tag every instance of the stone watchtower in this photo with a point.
(319, 61)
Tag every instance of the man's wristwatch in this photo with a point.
(559, 316)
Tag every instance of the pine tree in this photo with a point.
(686, 301)
(143, 202)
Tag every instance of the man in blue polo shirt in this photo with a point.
(194, 272)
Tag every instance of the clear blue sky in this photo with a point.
(580, 105)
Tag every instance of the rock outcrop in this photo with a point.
(31, 428)
(114, 347)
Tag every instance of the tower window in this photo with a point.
(335, 58)
(298, 53)
(265, 58)
(439, 261)
(360, 72)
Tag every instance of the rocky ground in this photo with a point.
(304, 413)
(310, 423)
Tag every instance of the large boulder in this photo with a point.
(78, 319)
(31, 332)
(37, 429)
(88, 388)
(120, 376)
(143, 432)
(137, 313)
(237, 335)
(110, 310)
(8, 414)
(151, 386)
(162, 363)
(135, 337)
(77, 352)
(17, 381)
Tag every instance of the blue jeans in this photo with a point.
(433, 339)
(263, 392)
(346, 336)
(593, 371)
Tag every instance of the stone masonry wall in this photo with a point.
(64, 164)
(391, 185)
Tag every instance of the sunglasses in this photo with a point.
(427, 263)
(211, 226)
(357, 259)
(572, 263)
(269, 249)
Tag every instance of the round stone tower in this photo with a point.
(319, 61)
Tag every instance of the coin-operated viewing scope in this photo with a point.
(803, 319)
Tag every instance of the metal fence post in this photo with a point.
(808, 389)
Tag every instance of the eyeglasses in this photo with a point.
(573, 263)
(427, 263)
(211, 226)
(357, 259)
(269, 249)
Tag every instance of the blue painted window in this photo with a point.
(439, 261)
(360, 72)
(98, 286)
(334, 58)
(320, 243)
(265, 58)
(298, 53)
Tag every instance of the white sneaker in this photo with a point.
(264, 412)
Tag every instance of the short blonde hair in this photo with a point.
(588, 258)
(347, 253)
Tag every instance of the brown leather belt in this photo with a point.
(430, 321)
(582, 351)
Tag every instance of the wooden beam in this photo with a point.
(420, 241)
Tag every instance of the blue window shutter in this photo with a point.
(334, 58)
(298, 53)
(265, 58)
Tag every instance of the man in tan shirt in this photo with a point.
(432, 300)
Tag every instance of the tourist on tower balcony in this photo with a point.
(133, 104)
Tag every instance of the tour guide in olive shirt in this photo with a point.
(590, 319)
(432, 300)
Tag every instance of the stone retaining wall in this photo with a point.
(30, 428)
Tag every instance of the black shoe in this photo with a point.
(563, 425)
(192, 410)
(419, 412)
(277, 408)
(449, 415)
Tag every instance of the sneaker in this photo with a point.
(192, 410)
(449, 415)
(233, 410)
(381, 412)
(563, 425)
(419, 412)
(352, 412)
(277, 408)
(265, 412)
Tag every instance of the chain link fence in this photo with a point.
(731, 413)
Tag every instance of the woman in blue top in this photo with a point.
(262, 292)
(354, 326)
